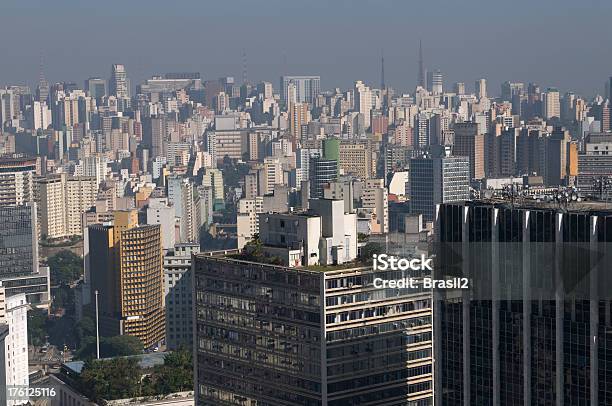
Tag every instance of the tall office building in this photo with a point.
(469, 143)
(178, 293)
(96, 87)
(18, 241)
(363, 101)
(551, 106)
(307, 88)
(481, 88)
(126, 268)
(183, 195)
(437, 179)
(534, 327)
(459, 88)
(510, 89)
(280, 335)
(320, 172)
(435, 82)
(16, 179)
(119, 84)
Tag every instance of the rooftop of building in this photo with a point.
(145, 361)
(238, 256)
(584, 206)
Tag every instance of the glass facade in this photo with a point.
(18, 249)
(524, 347)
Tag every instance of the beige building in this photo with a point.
(468, 142)
(126, 268)
(62, 200)
(375, 198)
(356, 159)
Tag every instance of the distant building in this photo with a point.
(470, 143)
(307, 88)
(119, 84)
(321, 171)
(374, 197)
(436, 180)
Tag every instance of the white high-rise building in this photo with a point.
(14, 314)
(363, 101)
(119, 84)
(307, 88)
(41, 116)
(247, 219)
(551, 106)
(62, 201)
(161, 211)
(481, 88)
(92, 166)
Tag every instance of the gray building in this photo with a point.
(307, 88)
(19, 270)
(178, 296)
(273, 335)
(96, 87)
(18, 241)
(436, 180)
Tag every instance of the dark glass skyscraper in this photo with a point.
(536, 327)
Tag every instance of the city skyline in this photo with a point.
(335, 46)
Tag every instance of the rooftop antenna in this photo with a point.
(421, 78)
(382, 70)
(244, 66)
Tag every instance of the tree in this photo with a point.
(36, 327)
(370, 249)
(117, 346)
(66, 267)
(118, 378)
(176, 375)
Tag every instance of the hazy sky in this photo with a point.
(562, 43)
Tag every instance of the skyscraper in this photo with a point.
(178, 293)
(551, 107)
(421, 74)
(437, 179)
(18, 241)
(96, 87)
(481, 88)
(119, 84)
(321, 171)
(126, 268)
(534, 327)
(363, 101)
(469, 143)
(307, 88)
(435, 82)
